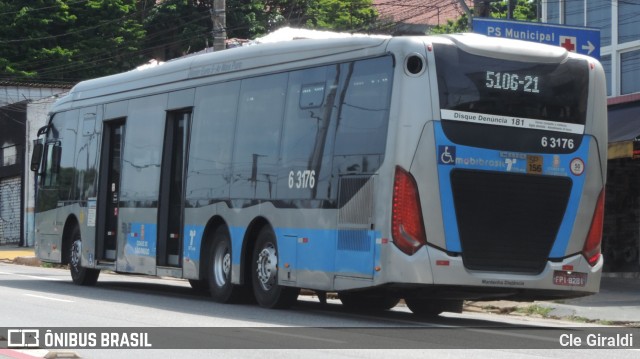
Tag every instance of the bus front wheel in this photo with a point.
(79, 274)
(267, 291)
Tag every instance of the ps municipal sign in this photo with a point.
(582, 40)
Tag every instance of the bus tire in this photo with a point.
(79, 274)
(366, 302)
(219, 272)
(199, 285)
(264, 277)
(431, 308)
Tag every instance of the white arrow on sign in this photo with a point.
(588, 47)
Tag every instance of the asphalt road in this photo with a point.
(179, 322)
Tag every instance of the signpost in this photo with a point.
(582, 40)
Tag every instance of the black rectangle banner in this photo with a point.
(507, 337)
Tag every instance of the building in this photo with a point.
(15, 99)
(417, 17)
(620, 56)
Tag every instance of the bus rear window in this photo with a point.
(478, 84)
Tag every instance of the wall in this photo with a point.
(37, 116)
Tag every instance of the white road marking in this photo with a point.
(49, 298)
(31, 276)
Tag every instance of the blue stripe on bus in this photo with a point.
(451, 156)
(324, 250)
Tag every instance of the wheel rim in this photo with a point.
(75, 254)
(267, 267)
(221, 265)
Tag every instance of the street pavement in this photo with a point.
(618, 301)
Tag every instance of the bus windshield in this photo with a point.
(487, 85)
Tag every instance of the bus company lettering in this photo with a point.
(460, 161)
(479, 118)
(214, 69)
(142, 248)
(502, 282)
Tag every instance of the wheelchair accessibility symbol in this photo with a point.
(447, 155)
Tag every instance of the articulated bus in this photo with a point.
(430, 169)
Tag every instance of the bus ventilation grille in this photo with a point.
(508, 222)
(355, 213)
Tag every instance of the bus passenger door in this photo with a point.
(109, 191)
(170, 211)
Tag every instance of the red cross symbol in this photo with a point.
(568, 42)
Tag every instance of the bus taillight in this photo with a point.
(591, 250)
(406, 224)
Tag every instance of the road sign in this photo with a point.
(583, 40)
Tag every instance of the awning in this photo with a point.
(624, 129)
(620, 150)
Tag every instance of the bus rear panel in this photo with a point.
(510, 175)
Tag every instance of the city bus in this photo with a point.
(431, 169)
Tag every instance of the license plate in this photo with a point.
(571, 279)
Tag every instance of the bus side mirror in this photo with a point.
(55, 156)
(36, 157)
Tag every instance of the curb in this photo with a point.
(27, 261)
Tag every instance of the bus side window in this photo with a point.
(364, 111)
(258, 136)
(312, 96)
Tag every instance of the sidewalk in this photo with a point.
(18, 255)
(617, 302)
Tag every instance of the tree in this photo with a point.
(72, 40)
(525, 10)
(249, 19)
(177, 27)
(461, 24)
(32, 36)
(355, 15)
(107, 37)
(56, 40)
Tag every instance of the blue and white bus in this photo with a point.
(430, 169)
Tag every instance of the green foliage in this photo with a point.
(71, 40)
(535, 310)
(56, 40)
(338, 15)
(177, 27)
(250, 19)
(524, 10)
(453, 26)
(246, 19)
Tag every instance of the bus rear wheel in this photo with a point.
(79, 274)
(220, 286)
(267, 291)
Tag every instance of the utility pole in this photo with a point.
(219, 20)
(464, 6)
(481, 8)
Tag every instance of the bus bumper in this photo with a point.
(445, 276)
